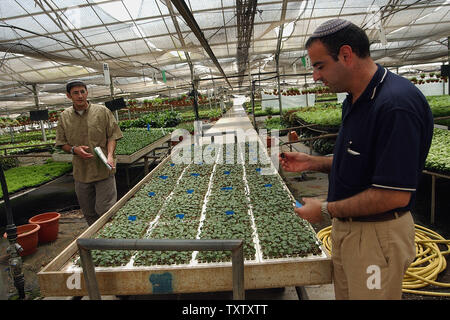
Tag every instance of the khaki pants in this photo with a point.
(96, 198)
(370, 258)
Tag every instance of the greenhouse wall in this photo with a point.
(433, 89)
(288, 102)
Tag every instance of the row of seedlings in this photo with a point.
(133, 219)
(281, 233)
(180, 217)
(226, 215)
(135, 139)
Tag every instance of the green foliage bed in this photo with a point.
(31, 176)
(26, 147)
(439, 155)
(275, 123)
(440, 107)
(26, 136)
(326, 115)
(135, 139)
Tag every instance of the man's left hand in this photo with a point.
(311, 210)
(110, 161)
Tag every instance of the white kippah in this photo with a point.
(330, 27)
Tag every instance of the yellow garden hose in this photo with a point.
(427, 265)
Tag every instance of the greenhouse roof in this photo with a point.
(156, 47)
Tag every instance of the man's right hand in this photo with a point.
(82, 151)
(295, 161)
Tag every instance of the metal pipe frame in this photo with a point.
(331, 135)
(187, 15)
(85, 245)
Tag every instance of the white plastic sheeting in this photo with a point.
(48, 42)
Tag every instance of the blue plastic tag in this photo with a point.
(163, 177)
(229, 212)
(172, 164)
(151, 194)
(180, 215)
(148, 126)
(298, 204)
(226, 172)
(267, 185)
(227, 188)
(258, 169)
(190, 191)
(132, 218)
(195, 174)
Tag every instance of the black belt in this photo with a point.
(375, 218)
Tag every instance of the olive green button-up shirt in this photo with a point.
(93, 128)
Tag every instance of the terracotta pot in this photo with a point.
(27, 237)
(293, 136)
(49, 223)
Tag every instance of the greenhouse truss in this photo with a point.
(159, 47)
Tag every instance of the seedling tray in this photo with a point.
(121, 158)
(149, 272)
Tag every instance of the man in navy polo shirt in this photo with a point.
(378, 158)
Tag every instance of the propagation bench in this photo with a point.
(198, 272)
(146, 153)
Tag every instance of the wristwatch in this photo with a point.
(72, 150)
(324, 210)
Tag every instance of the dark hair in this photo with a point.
(351, 35)
(75, 83)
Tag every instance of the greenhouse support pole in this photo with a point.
(36, 101)
(278, 83)
(111, 89)
(13, 250)
(209, 98)
(214, 91)
(253, 105)
(306, 86)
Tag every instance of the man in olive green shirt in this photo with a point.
(82, 128)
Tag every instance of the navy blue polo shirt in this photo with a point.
(383, 140)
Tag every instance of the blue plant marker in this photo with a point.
(148, 126)
(180, 215)
(151, 194)
(258, 169)
(229, 212)
(189, 191)
(298, 204)
(132, 218)
(195, 174)
(267, 185)
(172, 164)
(226, 172)
(163, 177)
(227, 188)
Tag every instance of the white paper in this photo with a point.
(102, 156)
